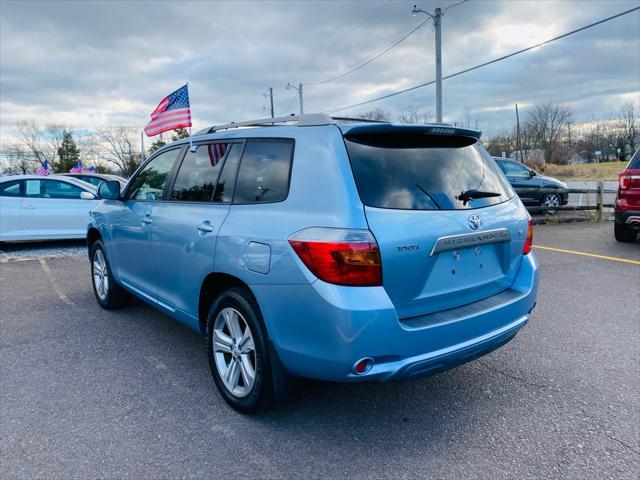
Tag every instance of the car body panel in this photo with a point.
(530, 185)
(34, 217)
(320, 329)
(627, 205)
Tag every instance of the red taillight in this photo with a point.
(624, 180)
(342, 257)
(528, 244)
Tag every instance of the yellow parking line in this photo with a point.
(54, 284)
(593, 255)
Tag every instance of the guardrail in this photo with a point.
(598, 207)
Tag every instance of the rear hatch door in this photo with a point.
(449, 227)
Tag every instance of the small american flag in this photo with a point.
(216, 152)
(172, 112)
(77, 167)
(44, 168)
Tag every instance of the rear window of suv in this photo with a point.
(635, 160)
(424, 177)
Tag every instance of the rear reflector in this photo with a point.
(339, 256)
(624, 180)
(528, 244)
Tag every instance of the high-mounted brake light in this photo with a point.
(528, 244)
(624, 180)
(339, 256)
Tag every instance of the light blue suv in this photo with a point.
(319, 247)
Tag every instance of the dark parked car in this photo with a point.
(96, 179)
(533, 188)
(627, 208)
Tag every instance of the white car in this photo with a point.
(44, 208)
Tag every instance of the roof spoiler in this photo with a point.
(412, 136)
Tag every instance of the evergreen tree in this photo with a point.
(179, 134)
(158, 144)
(68, 153)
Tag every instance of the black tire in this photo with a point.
(115, 295)
(266, 368)
(623, 233)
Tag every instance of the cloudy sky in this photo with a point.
(88, 64)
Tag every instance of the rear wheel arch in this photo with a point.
(212, 286)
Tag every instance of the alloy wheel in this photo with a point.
(100, 275)
(551, 201)
(234, 352)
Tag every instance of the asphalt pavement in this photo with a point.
(86, 393)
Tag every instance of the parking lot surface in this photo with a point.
(86, 393)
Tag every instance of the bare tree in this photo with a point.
(119, 148)
(17, 159)
(628, 124)
(412, 115)
(548, 122)
(40, 142)
(377, 114)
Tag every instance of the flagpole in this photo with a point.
(190, 138)
(142, 144)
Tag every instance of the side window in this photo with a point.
(151, 180)
(52, 189)
(514, 170)
(198, 174)
(224, 190)
(10, 189)
(264, 171)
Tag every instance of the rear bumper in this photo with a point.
(321, 330)
(630, 218)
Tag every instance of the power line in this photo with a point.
(454, 5)
(375, 57)
(466, 70)
(360, 24)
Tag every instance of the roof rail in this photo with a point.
(306, 120)
(355, 119)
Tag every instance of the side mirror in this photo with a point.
(532, 173)
(87, 196)
(109, 190)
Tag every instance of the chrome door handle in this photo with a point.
(205, 227)
(147, 218)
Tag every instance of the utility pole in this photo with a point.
(518, 146)
(142, 145)
(299, 90)
(437, 22)
(271, 101)
(569, 142)
(437, 26)
(300, 93)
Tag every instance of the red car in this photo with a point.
(627, 209)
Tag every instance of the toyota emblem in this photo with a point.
(475, 222)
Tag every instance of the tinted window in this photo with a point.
(514, 170)
(10, 189)
(635, 160)
(151, 180)
(224, 190)
(264, 171)
(52, 189)
(95, 181)
(198, 174)
(424, 178)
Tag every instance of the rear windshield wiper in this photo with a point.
(469, 195)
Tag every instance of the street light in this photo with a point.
(436, 17)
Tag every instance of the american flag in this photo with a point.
(77, 167)
(216, 152)
(172, 112)
(44, 168)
